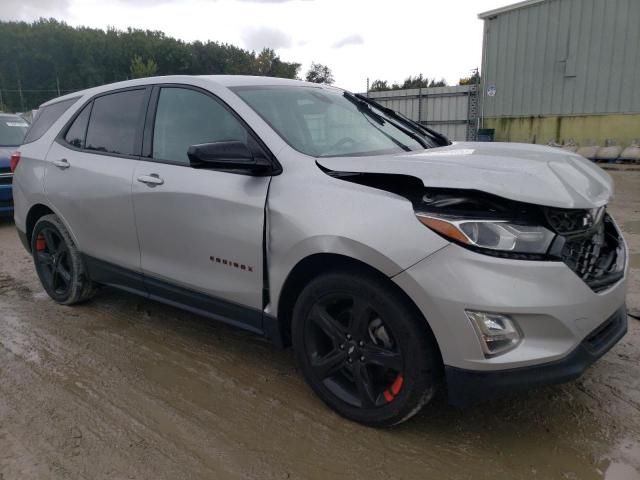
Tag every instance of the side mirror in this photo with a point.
(228, 155)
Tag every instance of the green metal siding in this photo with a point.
(563, 57)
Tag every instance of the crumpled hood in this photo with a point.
(523, 172)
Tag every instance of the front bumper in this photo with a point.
(555, 310)
(466, 387)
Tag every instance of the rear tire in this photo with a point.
(58, 263)
(364, 348)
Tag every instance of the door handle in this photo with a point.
(151, 180)
(62, 164)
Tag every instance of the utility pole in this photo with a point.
(58, 84)
(20, 88)
(367, 87)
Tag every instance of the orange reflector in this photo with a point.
(445, 228)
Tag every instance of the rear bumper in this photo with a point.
(466, 387)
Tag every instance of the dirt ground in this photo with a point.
(125, 388)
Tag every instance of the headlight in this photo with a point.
(496, 235)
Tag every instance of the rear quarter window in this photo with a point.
(46, 117)
(76, 132)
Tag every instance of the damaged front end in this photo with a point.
(597, 253)
(586, 240)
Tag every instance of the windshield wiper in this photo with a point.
(390, 137)
(368, 113)
(365, 108)
(438, 137)
(364, 103)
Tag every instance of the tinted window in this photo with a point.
(46, 117)
(12, 130)
(186, 117)
(114, 122)
(77, 130)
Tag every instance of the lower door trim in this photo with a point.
(218, 309)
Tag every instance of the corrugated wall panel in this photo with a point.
(563, 57)
(550, 65)
(603, 75)
(633, 42)
(444, 108)
(617, 58)
(582, 65)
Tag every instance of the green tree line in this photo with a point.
(419, 81)
(45, 58)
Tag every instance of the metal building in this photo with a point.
(555, 70)
(452, 111)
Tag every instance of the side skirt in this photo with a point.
(230, 313)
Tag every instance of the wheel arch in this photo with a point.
(39, 210)
(36, 212)
(317, 264)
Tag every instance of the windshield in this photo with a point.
(329, 123)
(12, 130)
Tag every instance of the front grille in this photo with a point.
(571, 221)
(6, 203)
(596, 255)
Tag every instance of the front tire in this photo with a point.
(58, 263)
(364, 349)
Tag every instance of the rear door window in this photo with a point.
(46, 117)
(186, 117)
(115, 121)
(78, 129)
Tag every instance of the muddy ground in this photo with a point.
(124, 388)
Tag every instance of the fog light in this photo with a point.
(497, 333)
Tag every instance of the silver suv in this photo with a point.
(390, 259)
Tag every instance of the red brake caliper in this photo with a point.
(391, 392)
(40, 243)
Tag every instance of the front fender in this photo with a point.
(327, 244)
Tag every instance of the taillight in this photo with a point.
(14, 160)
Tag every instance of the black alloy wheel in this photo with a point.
(53, 261)
(58, 262)
(352, 351)
(364, 348)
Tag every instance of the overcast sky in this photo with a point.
(355, 38)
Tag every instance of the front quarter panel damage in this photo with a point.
(310, 212)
